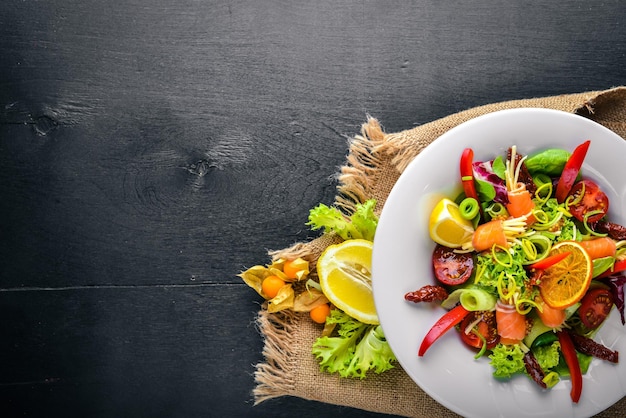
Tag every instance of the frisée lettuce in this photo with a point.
(360, 225)
(355, 350)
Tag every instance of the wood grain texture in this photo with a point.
(149, 151)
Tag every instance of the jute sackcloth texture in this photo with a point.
(375, 161)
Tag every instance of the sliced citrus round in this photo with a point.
(566, 282)
(344, 271)
(447, 227)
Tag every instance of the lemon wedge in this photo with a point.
(447, 226)
(344, 271)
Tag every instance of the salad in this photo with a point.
(527, 265)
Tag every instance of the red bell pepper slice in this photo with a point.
(570, 171)
(619, 266)
(443, 325)
(467, 176)
(550, 261)
(569, 353)
(467, 173)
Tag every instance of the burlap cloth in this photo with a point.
(373, 165)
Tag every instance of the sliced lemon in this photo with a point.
(447, 226)
(345, 276)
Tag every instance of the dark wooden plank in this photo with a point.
(160, 351)
(155, 218)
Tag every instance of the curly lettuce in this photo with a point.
(548, 356)
(360, 225)
(357, 348)
(507, 360)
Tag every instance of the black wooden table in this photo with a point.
(151, 150)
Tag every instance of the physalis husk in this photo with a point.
(286, 297)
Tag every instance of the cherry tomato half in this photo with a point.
(592, 200)
(452, 268)
(595, 307)
(483, 323)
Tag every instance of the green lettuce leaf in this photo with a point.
(584, 361)
(507, 360)
(486, 191)
(372, 353)
(365, 220)
(357, 349)
(499, 167)
(360, 225)
(548, 356)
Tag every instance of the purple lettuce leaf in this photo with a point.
(616, 284)
(489, 184)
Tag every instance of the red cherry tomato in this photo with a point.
(483, 323)
(592, 200)
(452, 268)
(595, 307)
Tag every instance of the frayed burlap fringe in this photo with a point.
(275, 377)
(356, 178)
(373, 165)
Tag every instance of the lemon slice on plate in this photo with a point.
(447, 226)
(344, 271)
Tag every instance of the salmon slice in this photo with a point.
(510, 323)
(599, 247)
(489, 234)
(551, 317)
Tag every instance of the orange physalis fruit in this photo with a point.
(319, 313)
(271, 285)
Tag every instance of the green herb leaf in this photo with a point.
(499, 167)
(486, 191)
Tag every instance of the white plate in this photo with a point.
(402, 263)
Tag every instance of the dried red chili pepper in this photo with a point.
(428, 293)
(534, 370)
(592, 348)
(524, 175)
(613, 230)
